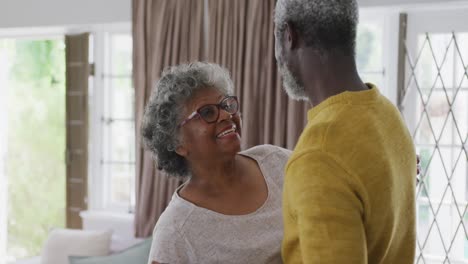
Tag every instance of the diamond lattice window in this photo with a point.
(434, 103)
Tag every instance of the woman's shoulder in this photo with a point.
(175, 215)
(169, 245)
(272, 161)
(261, 152)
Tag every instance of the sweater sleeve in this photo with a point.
(324, 210)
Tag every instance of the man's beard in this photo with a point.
(290, 84)
(293, 88)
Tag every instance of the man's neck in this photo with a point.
(331, 77)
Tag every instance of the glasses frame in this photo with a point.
(220, 106)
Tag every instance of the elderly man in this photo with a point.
(349, 185)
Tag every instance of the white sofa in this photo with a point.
(121, 226)
(34, 260)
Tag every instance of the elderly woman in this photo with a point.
(229, 208)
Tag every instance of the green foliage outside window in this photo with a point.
(36, 143)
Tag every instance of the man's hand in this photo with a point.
(418, 168)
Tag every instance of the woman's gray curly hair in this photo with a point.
(327, 25)
(160, 125)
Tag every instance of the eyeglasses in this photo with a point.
(210, 112)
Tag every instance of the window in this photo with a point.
(113, 126)
(369, 44)
(434, 105)
(377, 50)
(435, 108)
(32, 143)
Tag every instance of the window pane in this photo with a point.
(121, 141)
(369, 47)
(122, 98)
(121, 181)
(424, 220)
(118, 124)
(460, 112)
(121, 54)
(437, 51)
(369, 51)
(438, 110)
(115, 143)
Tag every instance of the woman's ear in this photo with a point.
(181, 150)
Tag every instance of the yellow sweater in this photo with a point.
(349, 190)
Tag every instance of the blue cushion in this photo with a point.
(137, 254)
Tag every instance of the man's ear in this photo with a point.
(291, 36)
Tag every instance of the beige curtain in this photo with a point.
(165, 32)
(241, 39)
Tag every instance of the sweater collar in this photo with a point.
(346, 97)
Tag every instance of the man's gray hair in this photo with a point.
(163, 113)
(327, 25)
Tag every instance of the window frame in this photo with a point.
(99, 183)
(437, 22)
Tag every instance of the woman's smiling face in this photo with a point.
(202, 140)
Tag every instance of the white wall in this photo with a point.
(384, 3)
(52, 13)
(59, 13)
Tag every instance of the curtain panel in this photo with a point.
(165, 33)
(240, 38)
